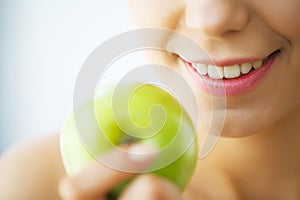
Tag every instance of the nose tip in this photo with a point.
(216, 17)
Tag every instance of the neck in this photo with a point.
(267, 158)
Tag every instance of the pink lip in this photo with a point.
(232, 87)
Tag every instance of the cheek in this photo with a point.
(289, 22)
(156, 13)
(280, 15)
(159, 57)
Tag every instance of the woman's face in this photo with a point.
(238, 36)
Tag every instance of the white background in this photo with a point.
(43, 45)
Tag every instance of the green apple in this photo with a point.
(144, 114)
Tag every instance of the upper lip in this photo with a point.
(228, 61)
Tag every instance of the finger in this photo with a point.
(151, 187)
(97, 179)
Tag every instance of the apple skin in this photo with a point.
(176, 123)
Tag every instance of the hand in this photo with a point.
(97, 180)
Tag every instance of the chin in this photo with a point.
(242, 127)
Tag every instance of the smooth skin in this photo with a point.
(262, 160)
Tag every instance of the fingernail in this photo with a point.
(142, 152)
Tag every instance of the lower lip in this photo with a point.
(232, 87)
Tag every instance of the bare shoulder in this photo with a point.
(31, 169)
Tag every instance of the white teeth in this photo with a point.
(257, 64)
(246, 68)
(232, 71)
(215, 72)
(202, 69)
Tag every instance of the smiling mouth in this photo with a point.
(231, 79)
(230, 71)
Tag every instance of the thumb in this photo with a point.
(151, 187)
(98, 178)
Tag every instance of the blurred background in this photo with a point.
(43, 45)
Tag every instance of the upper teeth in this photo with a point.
(233, 71)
